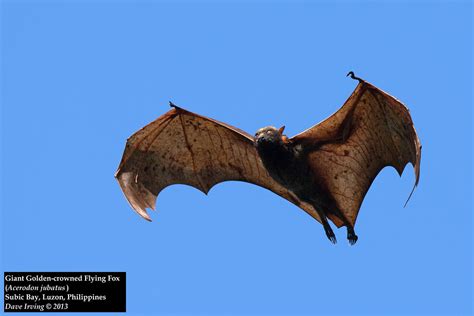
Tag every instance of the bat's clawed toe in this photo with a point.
(352, 240)
(333, 239)
(330, 235)
(351, 236)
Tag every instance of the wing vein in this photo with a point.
(188, 145)
(341, 155)
(168, 121)
(386, 123)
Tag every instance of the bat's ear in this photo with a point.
(281, 130)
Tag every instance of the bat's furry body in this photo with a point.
(288, 165)
(325, 170)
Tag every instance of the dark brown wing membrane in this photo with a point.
(371, 130)
(181, 147)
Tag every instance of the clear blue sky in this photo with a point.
(78, 78)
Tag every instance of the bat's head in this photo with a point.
(269, 135)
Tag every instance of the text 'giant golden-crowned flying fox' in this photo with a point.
(325, 170)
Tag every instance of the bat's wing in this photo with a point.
(371, 130)
(181, 147)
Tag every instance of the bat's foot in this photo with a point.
(351, 236)
(332, 239)
(330, 234)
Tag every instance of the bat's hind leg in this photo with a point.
(327, 227)
(329, 232)
(351, 235)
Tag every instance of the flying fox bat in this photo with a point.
(325, 170)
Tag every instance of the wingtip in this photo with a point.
(146, 217)
(416, 166)
(417, 179)
(411, 193)
(141, 211)
(137, 196)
